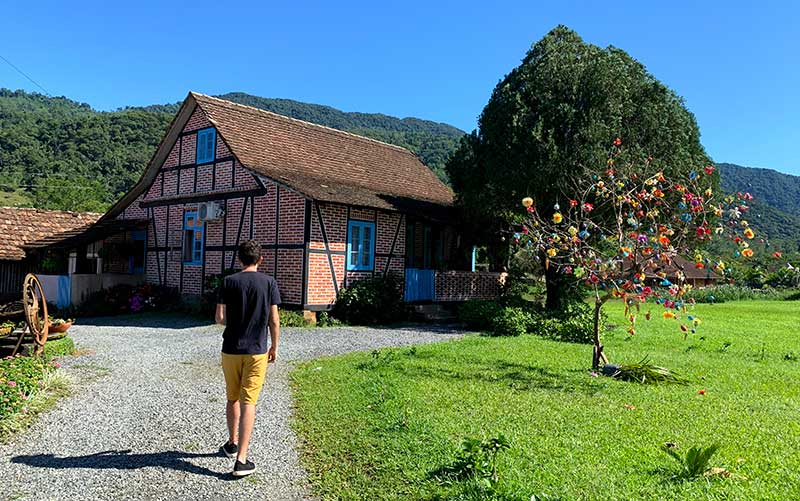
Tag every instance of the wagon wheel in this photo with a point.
(35, 306)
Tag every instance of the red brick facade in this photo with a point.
(304, 241)
(309, 266)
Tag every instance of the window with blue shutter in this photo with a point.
(206, 145)
(193, 230)
(360, 245)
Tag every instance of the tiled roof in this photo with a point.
(323, 163)
(20, 226)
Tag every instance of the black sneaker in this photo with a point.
(243, 469)
(230, 449)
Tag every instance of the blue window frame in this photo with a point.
(206, 145)
(193, 230)
(360, 245)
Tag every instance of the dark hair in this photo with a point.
(249, 252)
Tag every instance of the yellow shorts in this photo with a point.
(244, 376)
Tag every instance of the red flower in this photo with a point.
(709, 169)
(587, 207)
(701, 392)
(617, 142)
(573, 203)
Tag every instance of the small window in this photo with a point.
(360, 245)
(192, 239)
(206, 145)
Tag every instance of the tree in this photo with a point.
(622, 232)
(551, 119)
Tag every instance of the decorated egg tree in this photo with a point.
(621, 231)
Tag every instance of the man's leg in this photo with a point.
(253, 379)
(232, 369)
(246, 422)
(232, 412)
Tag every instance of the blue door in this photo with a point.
(419, 285)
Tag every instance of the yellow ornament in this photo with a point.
(557, 217)
(551, 252)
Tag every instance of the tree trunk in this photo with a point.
(553, 286)
(597, 350)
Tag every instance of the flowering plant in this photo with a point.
(625, 231)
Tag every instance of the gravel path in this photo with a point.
(147, 417)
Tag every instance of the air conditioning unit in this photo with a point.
(208, 211)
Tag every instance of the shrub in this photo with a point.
(793, 296)
(371, 301)
(478, 314)
(726, 292)
(20, 377)
(291, 318)
(324, 319)
(512, 322)
(573, 323)
(122, 299)
(523, 293)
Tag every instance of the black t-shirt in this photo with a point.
(247, 297)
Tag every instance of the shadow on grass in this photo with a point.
(124, 460)
(516, 376)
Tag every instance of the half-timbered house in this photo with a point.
(328, 208)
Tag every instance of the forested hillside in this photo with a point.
(776, 204)
(432, 141)
(56, 153)
(60, 154)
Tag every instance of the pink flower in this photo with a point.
(594, 374)
(12, 383)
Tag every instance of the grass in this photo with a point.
(55, 385)
(379, 425)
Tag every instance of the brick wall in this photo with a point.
(180, 176)
(464, 285)
(320, 287)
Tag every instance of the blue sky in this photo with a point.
(735, 63)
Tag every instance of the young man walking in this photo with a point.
(247, 307)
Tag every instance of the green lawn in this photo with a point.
(379, 425)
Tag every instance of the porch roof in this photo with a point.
(85, 235)
(21, 226)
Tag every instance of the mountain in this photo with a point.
(776, 201)
(432, 141)
(45, 141)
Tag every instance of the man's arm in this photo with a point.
(274, 332)
(219, 317)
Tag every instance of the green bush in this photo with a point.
(523, 293)
(478, 314)
(574, 322)
(793, 296)
(512, 322)
(370, 301)
(726, 292)
(291, 318)
(324, 319)
(20, 377)
(124, 299)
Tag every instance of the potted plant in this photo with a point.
(6, 328)
(57, 325)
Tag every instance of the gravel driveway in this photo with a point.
(147, 417)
